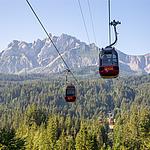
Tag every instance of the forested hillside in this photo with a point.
(35, 115)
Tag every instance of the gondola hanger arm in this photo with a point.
(114, 24)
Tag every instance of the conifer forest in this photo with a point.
(109, 114)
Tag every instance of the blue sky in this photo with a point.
(63, 16)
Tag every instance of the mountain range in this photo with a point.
(41, 57)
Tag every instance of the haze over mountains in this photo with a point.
(41, 57)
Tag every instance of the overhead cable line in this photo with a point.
(84, 21)
(33, 11)
(109, 20)
(92, 21)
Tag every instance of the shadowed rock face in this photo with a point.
(41, 56)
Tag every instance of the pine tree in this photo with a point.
(84, 140)
(61, 142)
(52, 131)
(9, 141)
(81, 138)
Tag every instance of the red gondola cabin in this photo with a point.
(108, 63)
(70, 93)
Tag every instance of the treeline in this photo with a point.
(35, 110)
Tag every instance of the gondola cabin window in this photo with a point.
(70, 92)
(115, 61)
(106, 59)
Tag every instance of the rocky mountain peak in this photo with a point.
(41, 56)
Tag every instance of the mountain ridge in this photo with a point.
(41, 56)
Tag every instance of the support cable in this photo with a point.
(84, 21)
(92, 21)
(109, 20)
(33, 11)
(112, 23)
